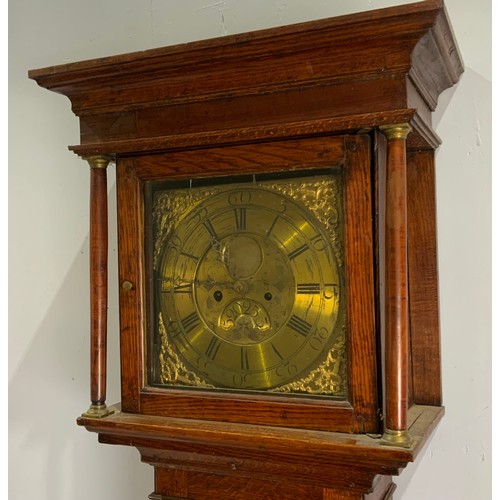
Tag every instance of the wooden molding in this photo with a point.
(348, 66)
(334, 460)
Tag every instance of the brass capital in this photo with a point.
(396, 131)
(401, 439)
(98, 161)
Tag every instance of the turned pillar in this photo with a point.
(98, 244)
(396, 289)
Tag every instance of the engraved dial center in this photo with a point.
(242, 256)
(240, 287)
(252, 291)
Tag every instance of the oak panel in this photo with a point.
(425, 344)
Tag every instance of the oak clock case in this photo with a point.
(277, 252)
(248, 285)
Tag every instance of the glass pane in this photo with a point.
(247, 284)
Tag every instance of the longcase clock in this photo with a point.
(279, 319)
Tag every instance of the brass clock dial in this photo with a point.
(249, 283)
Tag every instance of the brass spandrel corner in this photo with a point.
(327, 379)
(169, 207)
(324, 199)
(173, 370)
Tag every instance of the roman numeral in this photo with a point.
(244, 359)
(240, 215)
(190, 322)
(270, 230)
(308, 288)
(298, 251)
(299, 325)
(182, 342)
(212, 348)
(210, 229)
(276, 351)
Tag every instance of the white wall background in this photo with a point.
(53, 459)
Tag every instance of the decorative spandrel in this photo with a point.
(249, 287)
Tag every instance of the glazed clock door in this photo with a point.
(249, 275)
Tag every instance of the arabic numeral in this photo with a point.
(240, 197)
(319, 243)
(286, 370)
(318, 339)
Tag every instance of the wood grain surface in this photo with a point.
(305, 96)
(98, 242)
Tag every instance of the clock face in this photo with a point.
(248, 283)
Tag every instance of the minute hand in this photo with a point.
(177, 282)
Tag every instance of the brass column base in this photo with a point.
(402, 439)
(97, 411)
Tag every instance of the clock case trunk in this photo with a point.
(338, 87)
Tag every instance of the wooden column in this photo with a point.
(396, 289)
(98, 242)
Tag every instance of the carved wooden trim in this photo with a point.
(270, 453)
(248, 135)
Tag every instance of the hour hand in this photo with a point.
(177, 283)
(214, 238)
